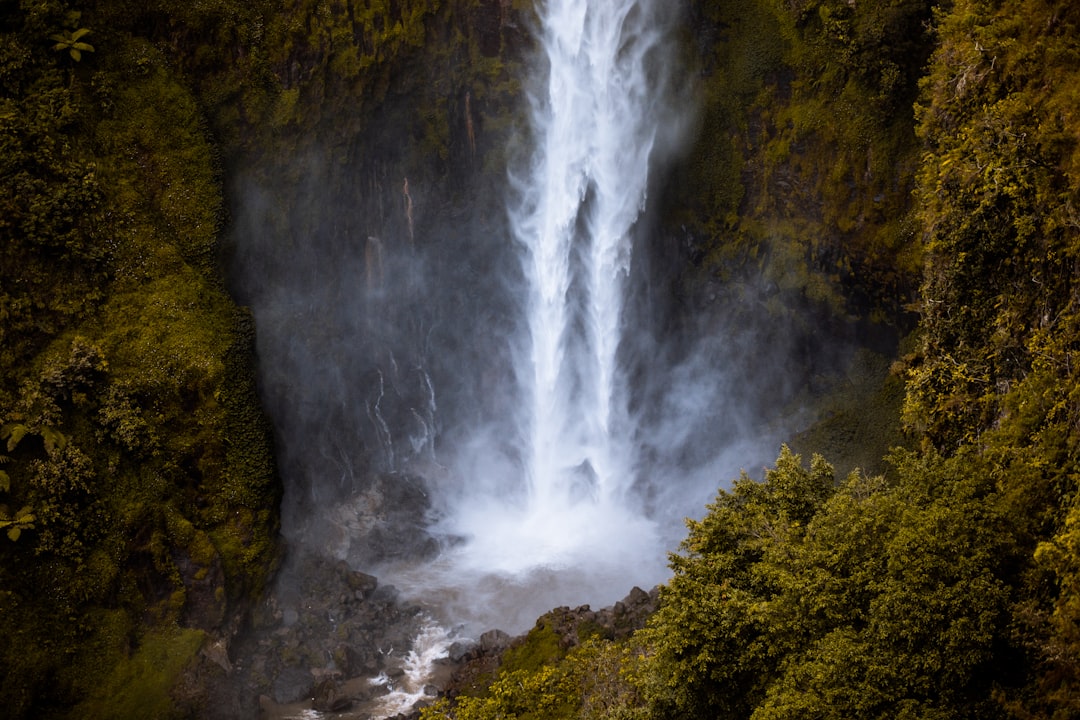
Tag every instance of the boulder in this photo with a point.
(494, 641)
(459, 651)
(292, 684)
(328, 697)
(361, 583)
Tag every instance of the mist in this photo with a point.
(553, 502)
(490, 403)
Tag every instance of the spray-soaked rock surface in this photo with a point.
(325, 625)
(384, 522)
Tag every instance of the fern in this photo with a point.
(23, 520)
(14, 433)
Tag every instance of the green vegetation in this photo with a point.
(136, 465)
(142, 686)
(138, 494)
(541, 678)
(72, 42)
(801, 178)
(879, 598)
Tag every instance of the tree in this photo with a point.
(877, 599)
(715, 644)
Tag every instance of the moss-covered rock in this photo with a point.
(136, 460)
(799, 181)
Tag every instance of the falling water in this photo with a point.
(536, 497)
(596, 131)
(552, 510)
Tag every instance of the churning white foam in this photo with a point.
(430, 646)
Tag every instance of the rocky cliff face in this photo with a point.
(369, 231)
(338, 641)
(365, 222)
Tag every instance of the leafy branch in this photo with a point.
(23, 520)
(15, 432)
(72, 42)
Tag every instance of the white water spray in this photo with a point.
(418, 670)
(557, 503)
(596, 130)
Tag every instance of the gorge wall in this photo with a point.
(375, 195)
(343, 166)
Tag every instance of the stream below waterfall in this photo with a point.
(410, 678)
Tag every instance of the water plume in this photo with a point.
(549, 497)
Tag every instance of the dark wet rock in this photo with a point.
(459, 651)
(386, 594)
(328, 629)
(356, 660)
(385, 520)
(638, 598)
(493, 641)
(217, 652)
(325, 623)
(329, 697)
(205, 603)
(341, 704)
(291, 684)
(361, 583)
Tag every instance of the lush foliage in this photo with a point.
(879, 597)
(138, 497)
(137, 488)
(997, 193)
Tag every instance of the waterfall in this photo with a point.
(472, 409)
(547, 513)
(595, 130)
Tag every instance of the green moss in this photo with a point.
(804, 158)
(140, 686)
(157, 160)
(129, 366)
(540, 647)
(285, 108)
(538, 651)
(859, 424)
